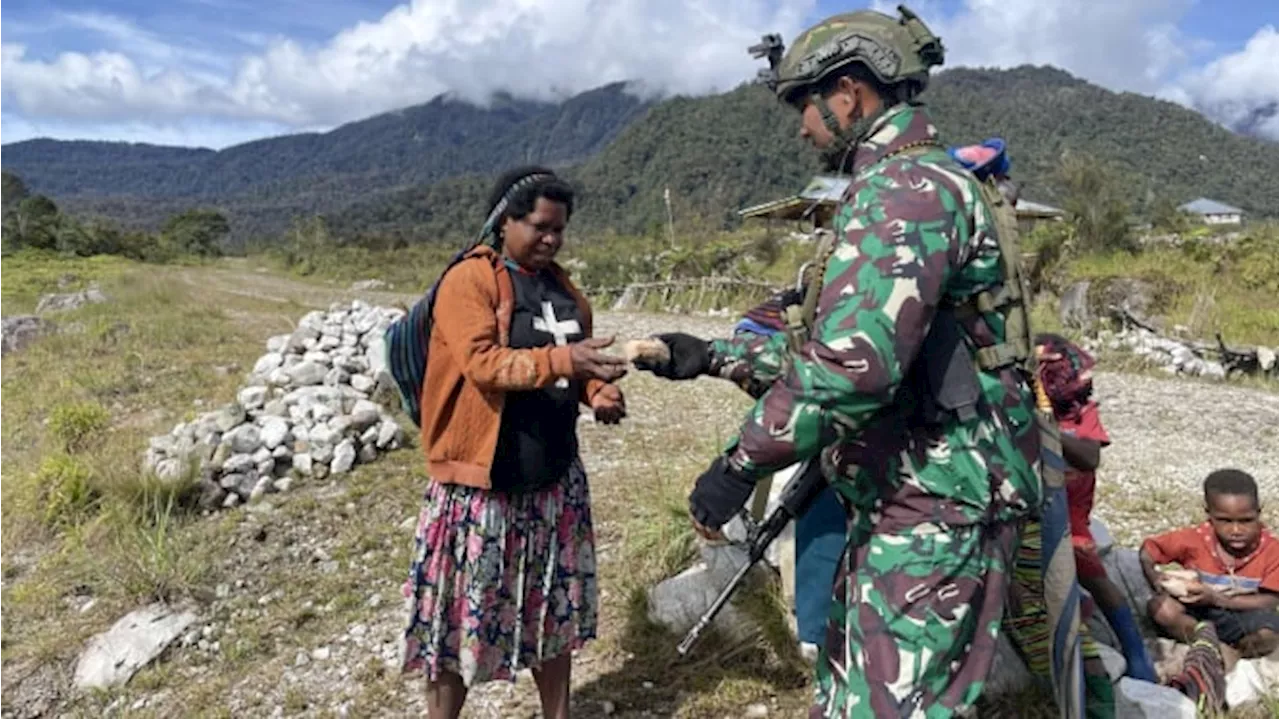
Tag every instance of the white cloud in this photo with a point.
(1120, 44)
(185, 132)
(1242, 89)
(538, 48)
(414, 52)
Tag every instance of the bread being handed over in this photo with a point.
(649, 350)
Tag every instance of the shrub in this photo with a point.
(77, 425)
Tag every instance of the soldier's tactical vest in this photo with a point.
(946, 380)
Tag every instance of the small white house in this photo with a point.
(1212, 212)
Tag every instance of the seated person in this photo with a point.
(1235, 558)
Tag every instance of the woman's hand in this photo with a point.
(609, 405)
(590, 363)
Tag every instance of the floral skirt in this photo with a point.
(500, 582)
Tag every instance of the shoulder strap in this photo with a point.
(1011, 296)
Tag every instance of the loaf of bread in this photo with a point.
(650, 350)
(1178, 582)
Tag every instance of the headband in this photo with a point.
(492, 220)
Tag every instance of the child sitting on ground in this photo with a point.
(1235, 559)
(1065, 372)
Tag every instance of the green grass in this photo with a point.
(31, 273)
(1208, 289)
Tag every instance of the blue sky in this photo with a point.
(219, 72)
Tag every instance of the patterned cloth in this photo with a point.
(1203, 675)
(1027, 625)
(500, 582)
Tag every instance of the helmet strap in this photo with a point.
(844, 140)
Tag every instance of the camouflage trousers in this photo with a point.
(914, 623)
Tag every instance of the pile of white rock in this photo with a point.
(1170, 355)
(306, 411)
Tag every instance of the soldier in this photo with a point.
(906, 372)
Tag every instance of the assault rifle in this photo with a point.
(804, 487)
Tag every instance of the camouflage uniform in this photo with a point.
(936, 499)
(935, 510)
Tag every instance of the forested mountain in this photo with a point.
(421, 173)
(720, 153)
(262, 183)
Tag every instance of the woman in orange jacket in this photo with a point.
(503, 576)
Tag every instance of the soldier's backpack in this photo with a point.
(1058, 571)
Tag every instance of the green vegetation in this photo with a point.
(34, 222)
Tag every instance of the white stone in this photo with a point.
(321, 453)
(335, 377)
(232, 500)
(113, 657)
(283, 484)
(229, 417)
(362, 383)
(275, 432)
(324, 436)
(252, 397)
(352, 363)
(307, 373)
(244, 439)
(388, 432)
(344, 457)
(277, 343)
(329, 342)
(239, 464)
(376, 357)
(302, 463)
(370, 436)
(268, 362)
(365, 414)
(280, 377)
(340, 424)
(368, 453)
(321, 412)
(259, 489)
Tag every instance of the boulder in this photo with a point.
(113, 657)
(71, 301)
(1073, 308)
(20, 331)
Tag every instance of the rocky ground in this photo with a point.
(299, 605)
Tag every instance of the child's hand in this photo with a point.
(1200, 595)
(609, 405)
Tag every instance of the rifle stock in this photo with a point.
(804, 487)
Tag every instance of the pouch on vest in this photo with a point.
(944, 373)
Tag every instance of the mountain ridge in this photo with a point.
(716, 153)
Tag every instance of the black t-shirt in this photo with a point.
(538, 437)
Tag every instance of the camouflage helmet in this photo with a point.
(897, 51)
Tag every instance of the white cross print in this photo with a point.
(559, 329)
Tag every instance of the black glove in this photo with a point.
(719, 493)
(690, 357)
